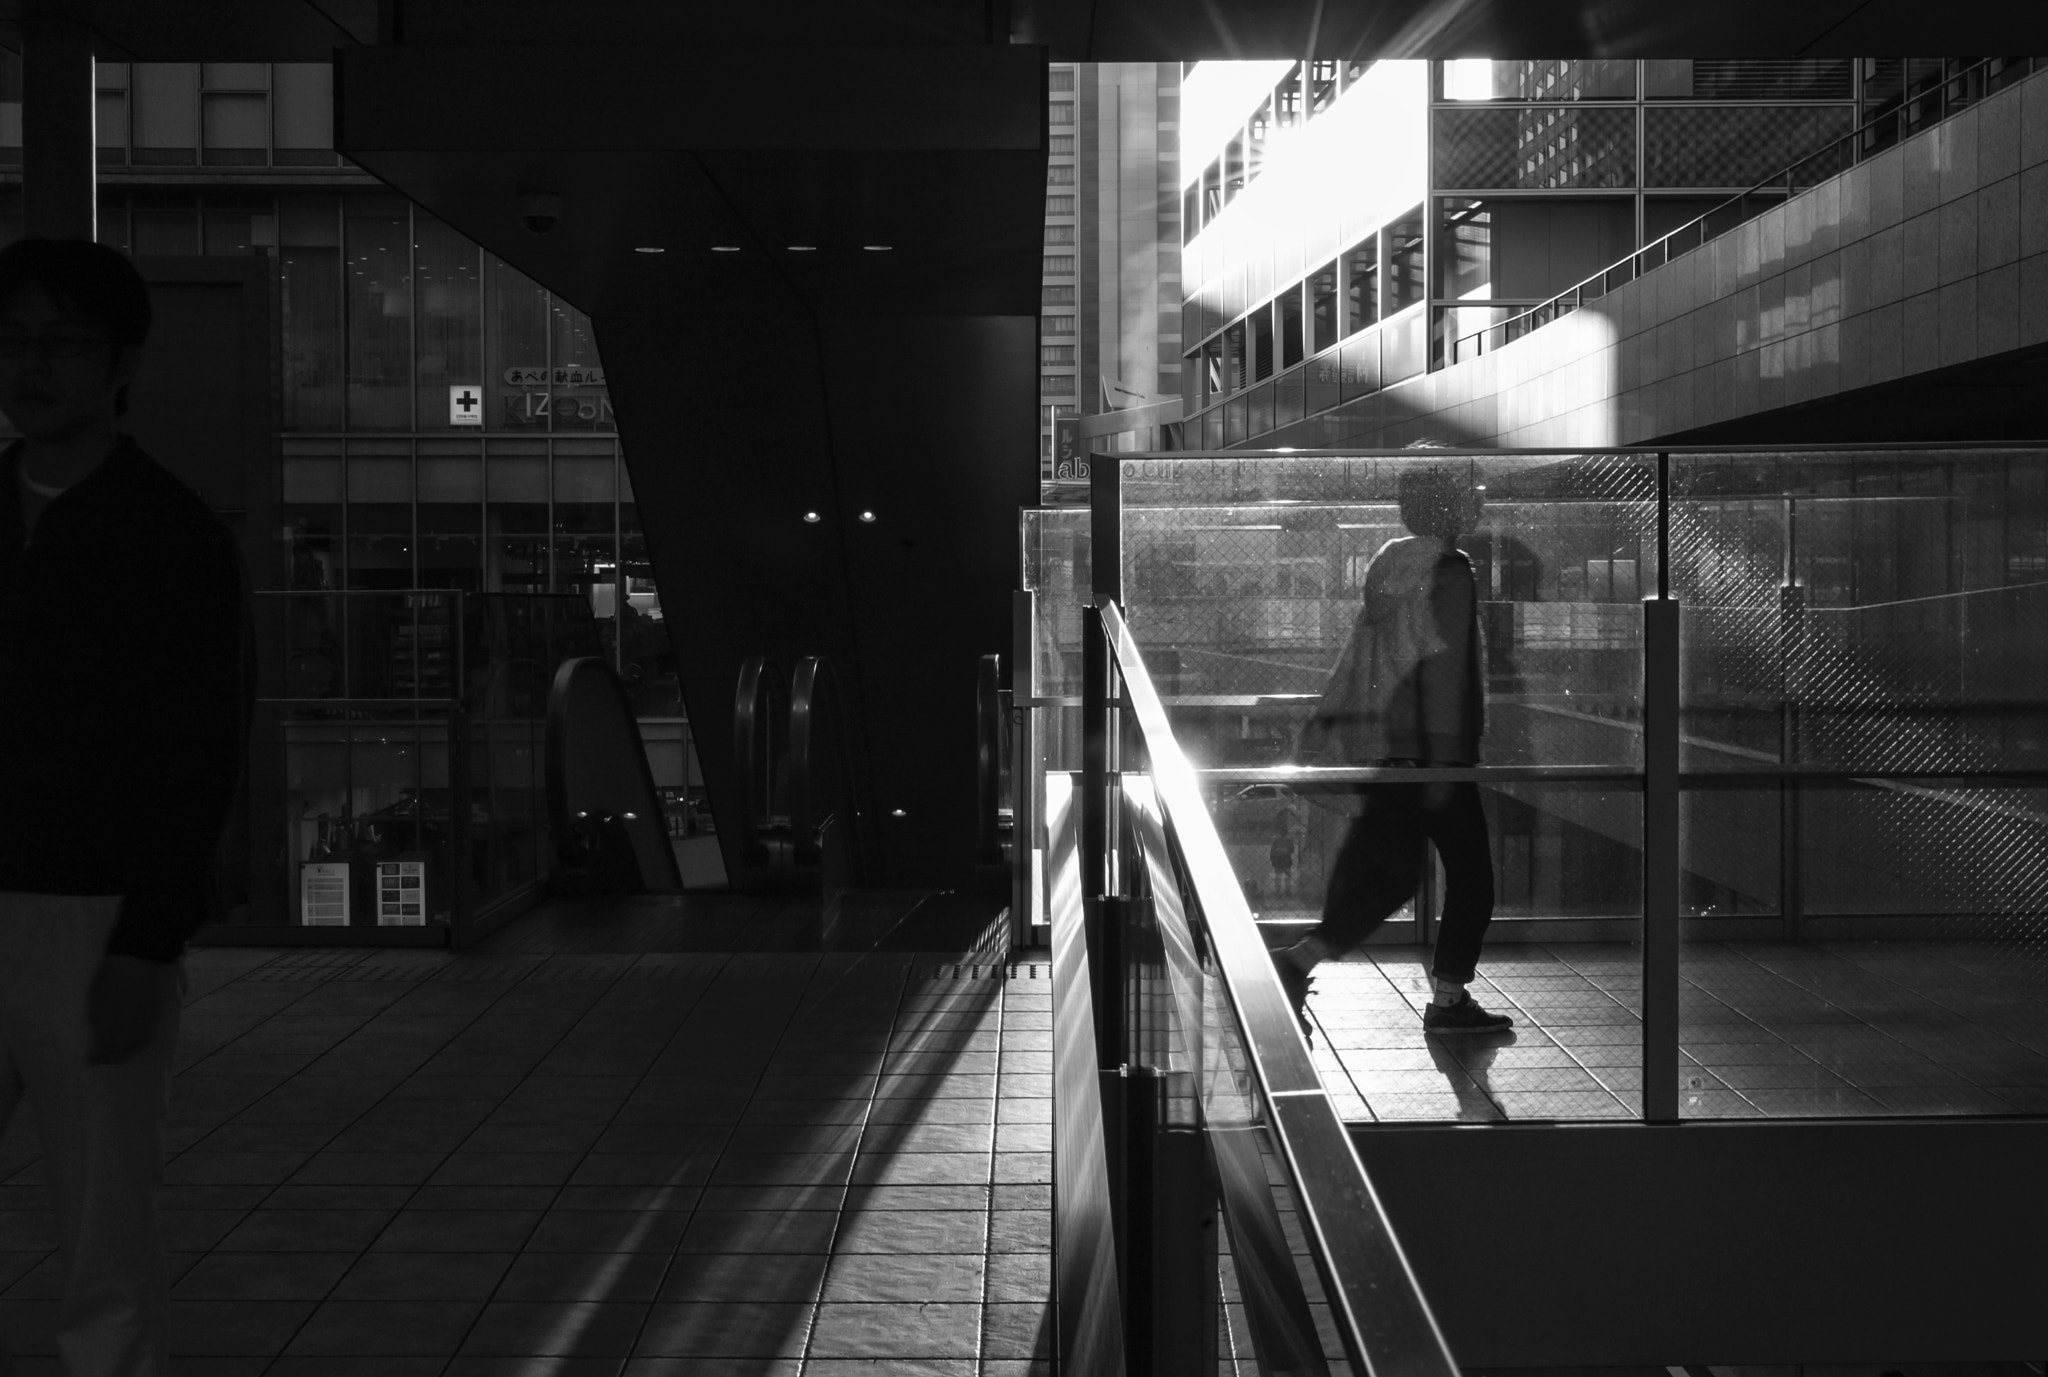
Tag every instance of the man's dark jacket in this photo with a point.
(123, 696)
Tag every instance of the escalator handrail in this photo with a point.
(753, 743)
(814, 690)
(988, 760)
(556, 752)
(1382, 1317)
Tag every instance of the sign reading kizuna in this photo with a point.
(536, 402)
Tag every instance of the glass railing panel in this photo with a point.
(1312, 1278)
(1864, 735)
(1559, 956)
(1246, 579)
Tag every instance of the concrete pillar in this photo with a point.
(58, 156)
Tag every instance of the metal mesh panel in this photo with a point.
(1737, 146)
(1879, 613)
(1541, 146)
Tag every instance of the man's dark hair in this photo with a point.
(90, 280)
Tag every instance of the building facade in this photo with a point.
(1346, 225)
(442, 424)
(1109, 328)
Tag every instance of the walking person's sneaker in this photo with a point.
(1465, 1016)
(1294, 981)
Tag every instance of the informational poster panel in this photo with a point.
(401, 894)
(323, 894)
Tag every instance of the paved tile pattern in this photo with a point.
(617, 1163)
(1774, 1030)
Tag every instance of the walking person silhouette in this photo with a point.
(1408, 691)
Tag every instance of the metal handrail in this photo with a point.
(1381, 1316)
(1660, 251)
(988, 760)
(814, 685)
(756, 723)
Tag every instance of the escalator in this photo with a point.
(802, 826)
(603, 809)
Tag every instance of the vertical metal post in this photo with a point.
(1791, 640)
(1094, 840)
(59, 162)
(1027, 773)
(1660, 827)
(1105, 529)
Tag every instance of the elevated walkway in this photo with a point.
(1906, 296)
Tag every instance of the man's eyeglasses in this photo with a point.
(51, 346)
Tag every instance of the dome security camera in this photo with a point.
(538, 210)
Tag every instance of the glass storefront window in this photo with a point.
(450, 318)
(585, 536)
(516, 524)
(378, 243)
(380, 523)
(451, 522)
(312, 517)
(580, 400)
(309, 270)
(516, 341)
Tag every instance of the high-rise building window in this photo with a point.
(1060, 79)
(1322, 87)
(1059, 265)
(1059, 234)
(302, 114)
(1059, 174)
(1233, 169)
(1261, 322)
(1056, 325)
(166, 113)
(1362, 285)
(1061, 295)
(1060, 145)
(1057, 354)
(1059, 205)
(1287, 100)
(234, 114)
(1056, 385)
(1060, 112)
(1404, 261)
(1326, 325)
(1287, 309)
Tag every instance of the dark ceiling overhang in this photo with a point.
(1072, 30)
(851, 178)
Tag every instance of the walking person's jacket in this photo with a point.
(124, 696)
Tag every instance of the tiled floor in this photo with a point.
(610, 1159)
(1840, 1029)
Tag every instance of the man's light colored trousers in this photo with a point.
(102, 1130)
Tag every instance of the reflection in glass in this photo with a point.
(378, 244)
(309, 287)
(450, 324)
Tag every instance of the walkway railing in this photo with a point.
(1183, 1084)
(1917, 112)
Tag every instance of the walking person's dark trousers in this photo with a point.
(1379, 865)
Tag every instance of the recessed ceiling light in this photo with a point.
(877, 248)
(725, 248)
(867, 516)
(811, 517)
(649, 248)
(803, 248)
